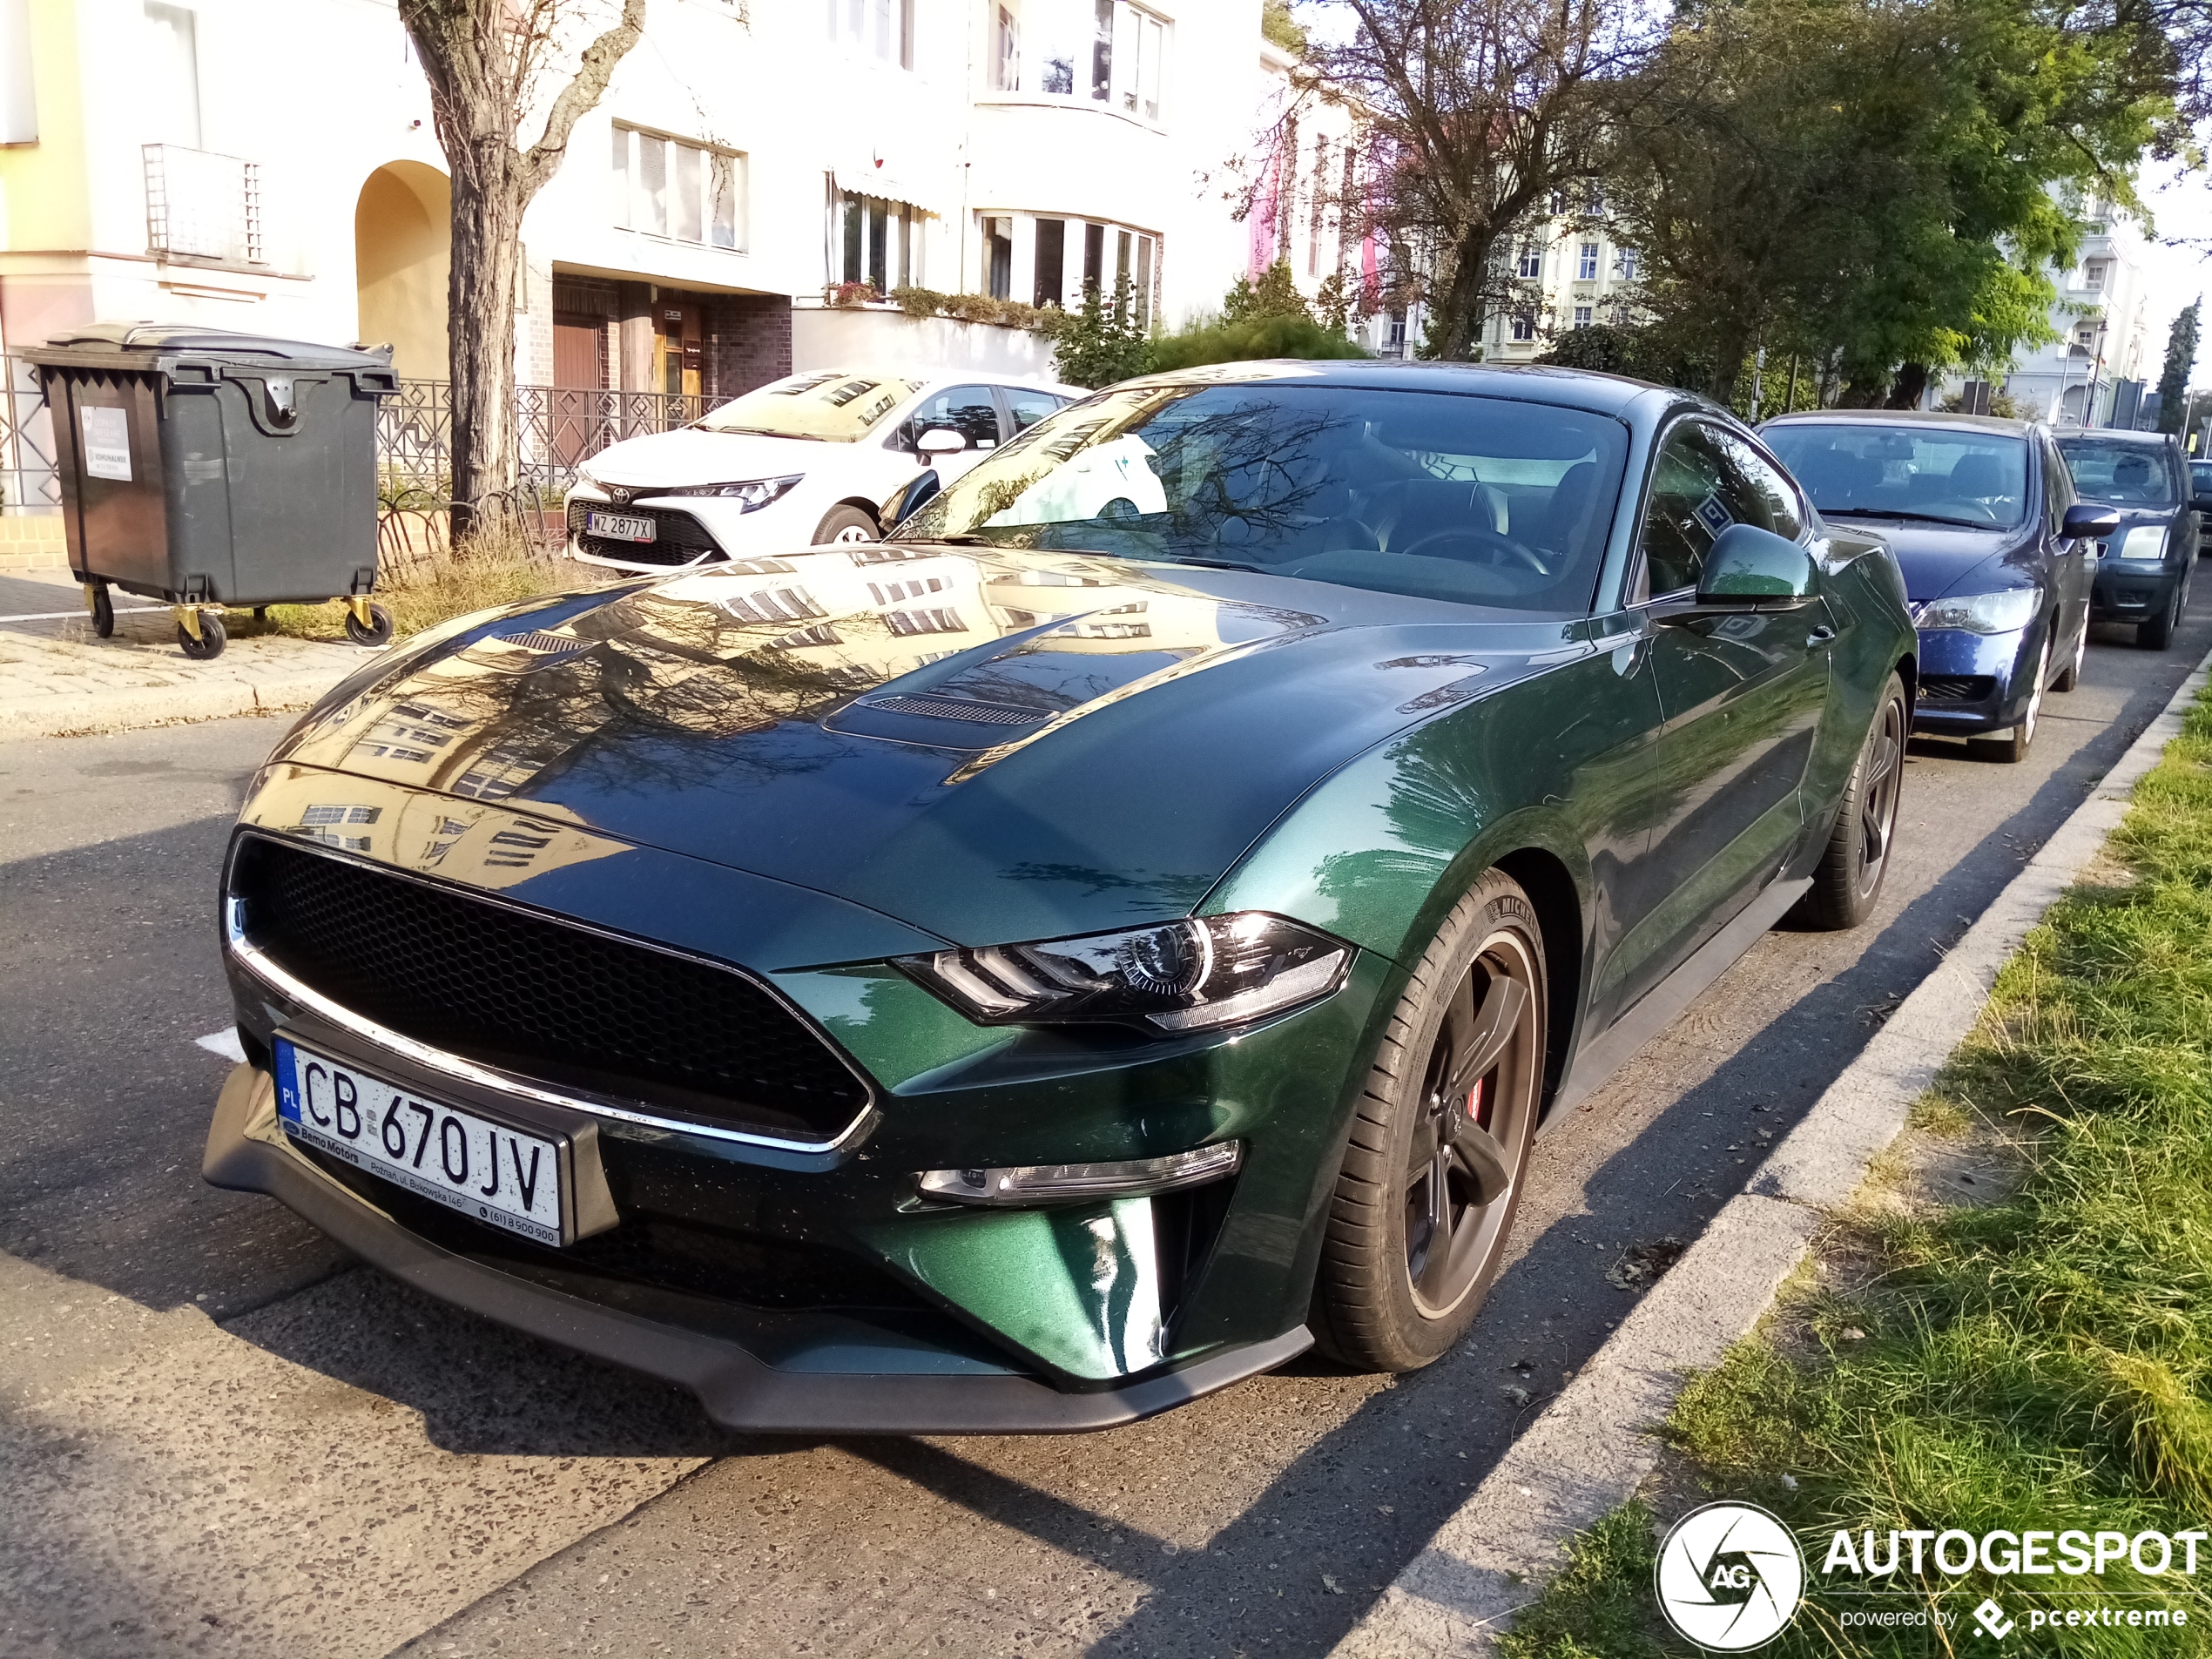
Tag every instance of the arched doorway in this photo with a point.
(402, 241)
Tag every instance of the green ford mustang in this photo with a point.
(1124, 928)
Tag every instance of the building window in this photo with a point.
(1051, 261)
(685, 191)
(2093, 275)
(1524, 325)
(1103, 52)
(998, 257)
(1625, 263)
(1586, 265)
(883, 29)
(1559, 203)
(1532, 262)
(1582, 316)
(874, 241)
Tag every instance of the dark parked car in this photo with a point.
(1127, 927)
(2145, 563)
(1982, 517)
(2200, 500)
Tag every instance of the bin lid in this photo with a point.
(186, 340)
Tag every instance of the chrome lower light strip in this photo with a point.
(243, 952)
(1041, 1183)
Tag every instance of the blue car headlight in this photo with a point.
(2146, 541)
(1189, 975)
(1982, 613)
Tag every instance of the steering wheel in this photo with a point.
(1483, 547)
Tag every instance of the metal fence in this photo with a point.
(557, 428)
(28, 484)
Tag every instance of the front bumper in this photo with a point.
(1971, 683)
(841, 1383)
(2132, 592)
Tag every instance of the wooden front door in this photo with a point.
(579, 376)
(680, 333)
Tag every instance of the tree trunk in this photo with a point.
(1911, 385)
(480, 320)
(1459, 318)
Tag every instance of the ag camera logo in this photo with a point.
(1729, 1577)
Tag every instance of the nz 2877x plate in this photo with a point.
(499, 1175)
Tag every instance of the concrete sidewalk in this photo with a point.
(57, 677)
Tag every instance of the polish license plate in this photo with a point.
(499, 1175)
(619, 527)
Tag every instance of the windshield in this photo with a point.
(2200, 477)
(838, 407)
(1479, 499)
(1941, 473)
(2126, 475)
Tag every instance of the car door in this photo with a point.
(2070, 563)
(1741, 695)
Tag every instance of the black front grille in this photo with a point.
(542, 999)
(679, 539)
(1956, 688)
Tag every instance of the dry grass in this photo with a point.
(425, 586)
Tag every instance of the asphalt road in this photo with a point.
(218, 1435)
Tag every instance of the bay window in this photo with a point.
(1101, 51)
(874, 241)
(687, 192)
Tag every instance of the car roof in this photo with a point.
(1581, 388)
(1906, 417)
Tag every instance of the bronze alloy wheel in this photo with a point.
(1439, 1145)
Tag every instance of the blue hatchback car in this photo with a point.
(1995, 549)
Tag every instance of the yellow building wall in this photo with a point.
(403, 244)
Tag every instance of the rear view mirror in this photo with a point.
(942, 441)
(2085, 521)
(1746, 565)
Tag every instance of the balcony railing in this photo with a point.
(200, 205)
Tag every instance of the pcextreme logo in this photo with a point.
(1729, 1577)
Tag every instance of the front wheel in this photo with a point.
(1848, 880)
(842, 526)
(1438, 1149)
(2070, 676)
(208, 643)
(2158, 633)
(103, 613)
(2011, 747)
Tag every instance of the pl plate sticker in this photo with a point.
(1729, 1577)
(107, 443)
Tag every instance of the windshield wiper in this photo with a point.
(1212, 564)
(1918, 518)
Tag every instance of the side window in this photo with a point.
(1701, 484)
(2058, 484)
(1029, 406)
(969, 411)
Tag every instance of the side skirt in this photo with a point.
(1664, 1004)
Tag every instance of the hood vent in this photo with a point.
(957, 708)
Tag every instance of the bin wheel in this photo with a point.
(211, 641)
(379, 635)
(103, 614)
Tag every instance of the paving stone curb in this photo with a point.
(1593, 1446)
(122, 710)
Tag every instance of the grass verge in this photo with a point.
(2043, 1361)
(431, 593)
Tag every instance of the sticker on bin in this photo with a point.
(107, 443)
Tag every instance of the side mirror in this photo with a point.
(921, 488)
(942, 441)
(2086, 521)
(1746, 565)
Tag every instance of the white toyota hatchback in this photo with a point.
(811, 458)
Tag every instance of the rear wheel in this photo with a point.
(1438, 1148)
(846, 524)
(1849, 877)
(103, 613)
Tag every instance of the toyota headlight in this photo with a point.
(2144, 541)
(1191, 975)
(1982, 613)
(749, 494)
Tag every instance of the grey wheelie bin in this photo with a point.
(215, 470)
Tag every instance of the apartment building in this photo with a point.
(271, 165)
(2094, 373)
(1568, 273)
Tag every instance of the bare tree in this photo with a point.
(491, 64)
(1480, 111)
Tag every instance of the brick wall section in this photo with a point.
(32, 542)
(748, 341)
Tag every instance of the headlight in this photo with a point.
(2144, 541)
(751, 494)
(1189, 975)
(1982, 613)
(586, 476)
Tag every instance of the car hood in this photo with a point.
(1937, 560)
(991, 747)
(693, 456)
